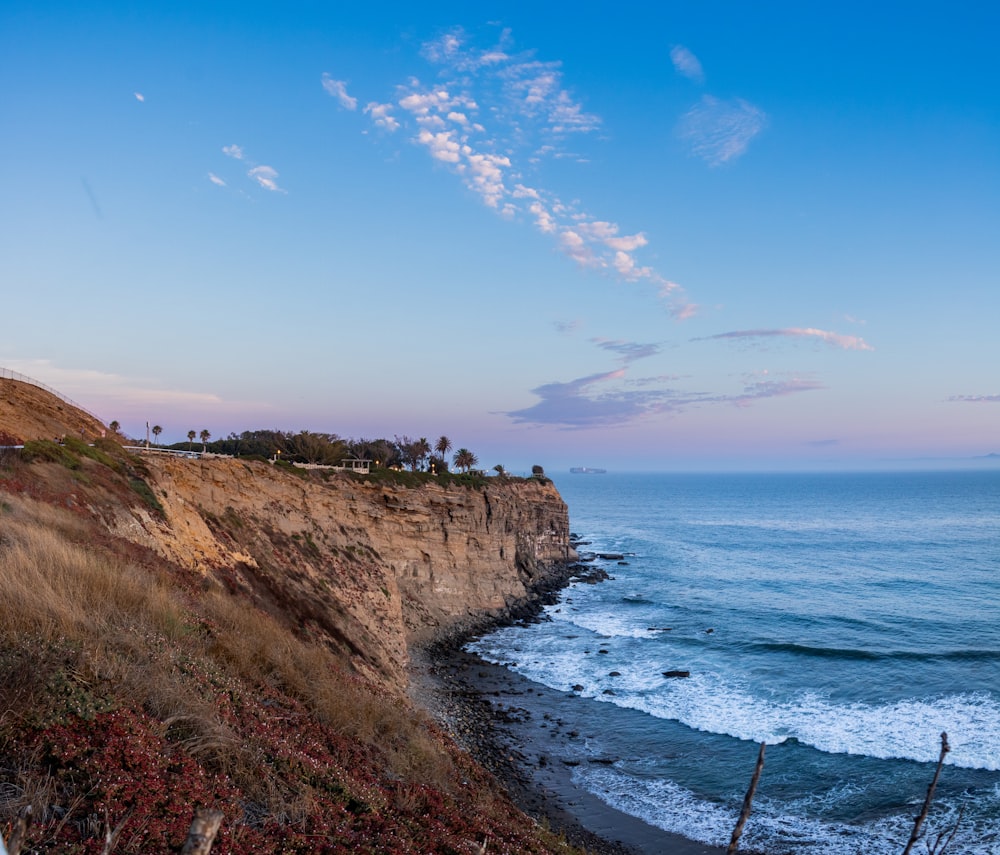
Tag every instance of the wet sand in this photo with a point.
(523, 733)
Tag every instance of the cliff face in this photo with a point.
(141, 678)
(374, 567)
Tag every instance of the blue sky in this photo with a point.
(699, 235)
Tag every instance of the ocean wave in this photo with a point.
(962, 655)
(907, 729)
(774, 825)
(903, 730)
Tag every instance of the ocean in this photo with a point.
(845, 620)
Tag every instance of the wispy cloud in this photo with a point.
(774, 388)
(687, 64)
(719, 131)
(490, 117)
(338, 89)
(105, 392)
(568, 327)
(627, 351)
(613, 398)
(844, 342)
(139, 96)
(583, 403)
(266, 177)
(976, 399)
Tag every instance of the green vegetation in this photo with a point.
(145, 492)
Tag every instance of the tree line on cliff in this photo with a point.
(401, 452)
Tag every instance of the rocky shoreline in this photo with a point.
(519, 731)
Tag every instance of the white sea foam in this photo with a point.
(907, 729)
(784, 827)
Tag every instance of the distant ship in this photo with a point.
(586, 470)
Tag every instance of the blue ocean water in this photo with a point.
(846, 620)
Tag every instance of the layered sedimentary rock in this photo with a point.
(374, 567)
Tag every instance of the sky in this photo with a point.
(666, 236)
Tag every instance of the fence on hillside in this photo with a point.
(7, 374)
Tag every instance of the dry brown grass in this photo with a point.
(53, 587)
(264, 651)
(94, 621)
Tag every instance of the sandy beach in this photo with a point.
(521, 732)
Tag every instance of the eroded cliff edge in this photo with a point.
(373, 567)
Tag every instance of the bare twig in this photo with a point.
(945, 748)
(203, 830)
(747, 801)
(111, 835)
(939, 846)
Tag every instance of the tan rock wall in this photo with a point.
(375, 567)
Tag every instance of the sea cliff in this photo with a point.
(378, 566)
(233, 634)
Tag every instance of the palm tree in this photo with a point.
(205, 437)
(191, 436)
(465, 459)
(442, 447)
(115, 426)
(500, 470)
(157, 430)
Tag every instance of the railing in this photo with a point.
(7, 374)
(170, 452)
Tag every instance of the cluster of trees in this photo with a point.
(401, 452)
(417, 454)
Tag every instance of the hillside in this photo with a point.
(219, 633)
(27, 412)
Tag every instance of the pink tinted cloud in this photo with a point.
(844, 342)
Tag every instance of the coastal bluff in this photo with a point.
(375, 566)
(182, 631)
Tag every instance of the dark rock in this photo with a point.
(676, 673)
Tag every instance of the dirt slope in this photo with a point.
(27, 412)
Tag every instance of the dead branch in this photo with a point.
(203, 830)
(18, 834)
(945, 748)
(747, 801)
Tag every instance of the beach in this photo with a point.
(523, 734)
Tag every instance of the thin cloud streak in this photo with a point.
(976, 399)
(338, 89)
(844, 342)
(101, 390)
